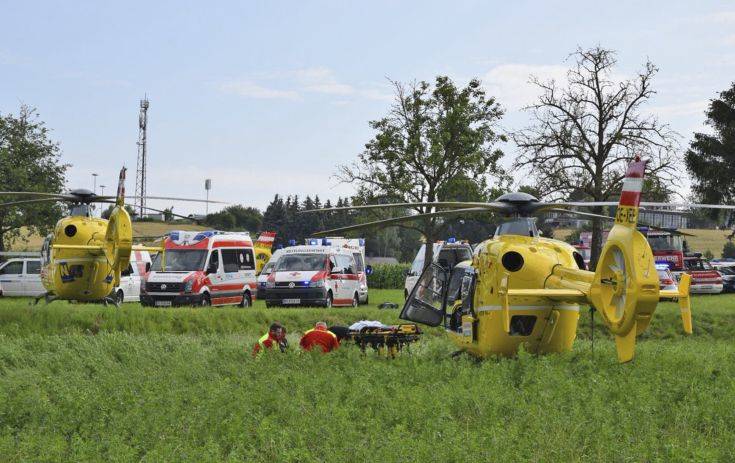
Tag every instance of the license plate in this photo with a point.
(292, 301)
(163, 303)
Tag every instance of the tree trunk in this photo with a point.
(596, 245)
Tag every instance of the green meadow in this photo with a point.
(94, 383)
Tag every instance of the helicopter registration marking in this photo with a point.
(497, 308)
(626, 214)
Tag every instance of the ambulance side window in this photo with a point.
(213, 266)
(230, 258)
(128, 271)
(245, 259)
(346, 263)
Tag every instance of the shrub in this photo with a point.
(728, 251)
(388, 276)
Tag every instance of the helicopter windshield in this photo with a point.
(523, 226)
(181, 260)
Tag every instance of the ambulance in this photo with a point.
(446, 254)
(202, 268)
(324, 272)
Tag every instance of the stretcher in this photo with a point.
(387, 340)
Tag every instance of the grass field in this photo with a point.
(90, 383)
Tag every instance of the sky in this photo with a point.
(268, 97)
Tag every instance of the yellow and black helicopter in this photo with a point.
(523, 289)
(83, 257)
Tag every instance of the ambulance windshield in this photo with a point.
(301, 263)
(181, 260)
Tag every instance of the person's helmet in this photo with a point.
(320, 326)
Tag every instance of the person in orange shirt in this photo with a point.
(275, 337)
(319, 336)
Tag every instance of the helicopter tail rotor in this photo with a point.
(625, 287)
(119, 235)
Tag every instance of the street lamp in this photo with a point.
(94, 176)
(102, 188)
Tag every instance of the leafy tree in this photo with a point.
(585, 133)
(430, 137)
(710, 158)
(728, 250)
(29, 161)
(236, 217)
(106, 213)
(708, 255)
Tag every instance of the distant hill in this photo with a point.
(140, 229)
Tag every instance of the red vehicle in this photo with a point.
(667, 246)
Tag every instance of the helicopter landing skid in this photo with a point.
(48, 297)
(109, 300)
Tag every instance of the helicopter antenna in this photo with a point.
(141, 172)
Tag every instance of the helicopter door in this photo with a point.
(427, 302)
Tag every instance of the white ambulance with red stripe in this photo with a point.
(202, 268)
(314, 275)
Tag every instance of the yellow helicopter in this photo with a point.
(523, 289)
(83, 257)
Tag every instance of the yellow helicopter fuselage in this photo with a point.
(538, 323)
(78, 273)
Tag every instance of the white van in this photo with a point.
(314, 276)
(446, 253)
(132, 277)
(267, 269)
(21, 277)
(202, 268)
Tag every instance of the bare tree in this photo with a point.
(585, 133)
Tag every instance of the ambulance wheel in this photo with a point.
(246, 301)
(119, 297)
(206, 302)
(355, 300)
(328, 303)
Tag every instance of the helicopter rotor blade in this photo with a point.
(33, 193)
(33, 201)
(171, 198)
(607, 217)
(438, 204)
(398, 220)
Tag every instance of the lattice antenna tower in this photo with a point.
(141, 171)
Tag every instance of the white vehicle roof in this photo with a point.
(308, 249)
(191, 238)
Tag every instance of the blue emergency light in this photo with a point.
(314, 242)
(452, 240)
(362, 242)
(326, 242)
(292, 242)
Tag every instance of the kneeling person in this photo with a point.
(319, 336)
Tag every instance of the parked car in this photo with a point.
(666, 279)
(728, 278)
(132, 278)
(705, 279)
(21, 277)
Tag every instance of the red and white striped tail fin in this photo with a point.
(121, 188)
(265, 240)
(630, 198)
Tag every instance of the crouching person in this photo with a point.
(319, 336)
(275, 337)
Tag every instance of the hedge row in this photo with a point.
(388, 276)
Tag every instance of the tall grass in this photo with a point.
(127, 397)
(89, 383)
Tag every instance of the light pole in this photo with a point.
(94, 189)
(207, 187)
(102, 190)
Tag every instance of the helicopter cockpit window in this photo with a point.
(525, 226)
(455, 284)
(427, 302)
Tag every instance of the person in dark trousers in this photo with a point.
(275, 337)
(319, 336)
